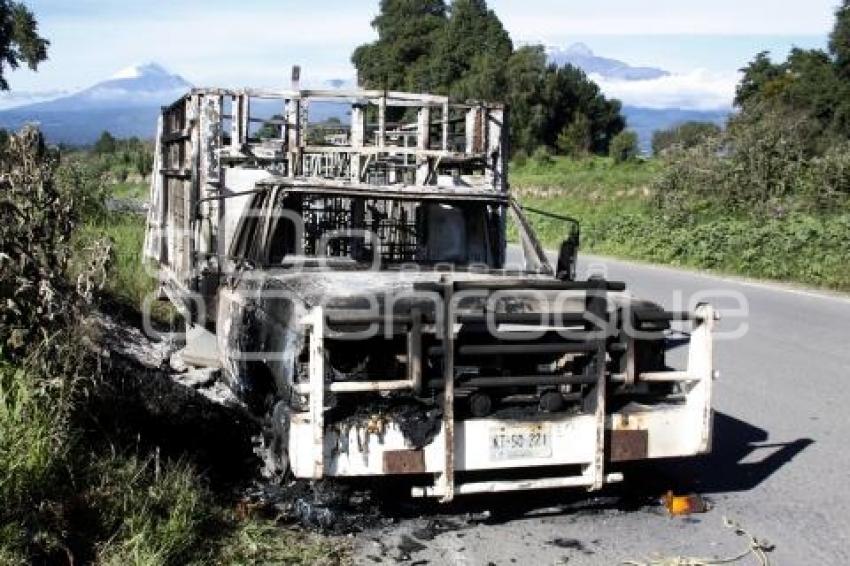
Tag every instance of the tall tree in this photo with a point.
(19, 39)
(839, 40)
(756, 75)
(399, 59)
(466, 53)
(471, 52)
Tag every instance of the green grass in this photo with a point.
(130, 191)
(129, 281)
(264, 542)
(66, 496)
(619, 218)
(34, 442)
(75, 488)
(592, 178)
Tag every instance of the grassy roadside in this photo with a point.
(620, 218)
(94, 467)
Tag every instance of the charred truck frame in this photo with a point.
(354, 282)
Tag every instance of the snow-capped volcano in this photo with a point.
(149, 77)
(125, 104)
(139, 85)
(139, 71)
(581, 56)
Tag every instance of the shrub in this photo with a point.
(762, 165)
(542, 156)
(684, 136)
(624, 147)
(520, 158)
(576, 138)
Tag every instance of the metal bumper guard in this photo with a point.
(586, 440)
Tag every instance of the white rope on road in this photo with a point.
(756, 547)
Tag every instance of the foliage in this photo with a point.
(576, 138)
(542, 156)
(155, 516)
(74, 490)
(839, 40)
(121, 158)
(106, 143)
(37, 217)
(624, 147)
(683, 136)
(19, 39)
(812, 82)
(620, 217)
(34, 441)
(586, 179)
(464, 51)
(264, 542)
(761, 165)
(468, 60)
(269, 129)
(400, 59)
(520, 159)
(545, 99)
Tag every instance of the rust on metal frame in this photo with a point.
(404, 462)
(628, 445)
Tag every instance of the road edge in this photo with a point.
(793, 288)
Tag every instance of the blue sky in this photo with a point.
(255, 43)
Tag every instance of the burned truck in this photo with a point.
(354, 266)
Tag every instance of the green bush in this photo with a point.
(70, 492)
(576, 139)
(684, 136)
(520, 158)
(542, 156)
(620, 215)
(761, 165)
(624, 147)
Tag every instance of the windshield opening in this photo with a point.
(368, 229)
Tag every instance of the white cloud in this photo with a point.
(661, 17)
(697, 90)
(22, 98)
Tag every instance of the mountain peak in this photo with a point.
(580, 49)
(581, 56)
(139, 71)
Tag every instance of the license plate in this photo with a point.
(520, 441)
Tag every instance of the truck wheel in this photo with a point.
(274, 444)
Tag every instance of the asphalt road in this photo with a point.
(780, 465)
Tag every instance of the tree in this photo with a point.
(270, 128)
(471, 53)
(757, 74)
(106, 143)
(19, 39)
(466, 53)
(576, 138)
(624, 147)
(685, 135)
(400, 58)
(839, 40)
(525, 70)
